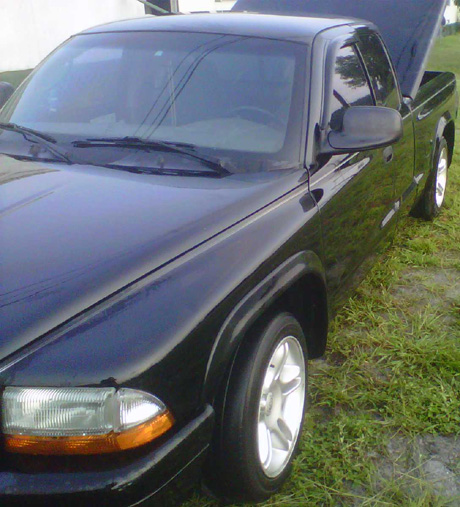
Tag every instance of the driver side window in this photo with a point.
(350, 86)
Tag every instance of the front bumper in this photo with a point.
(159, 477)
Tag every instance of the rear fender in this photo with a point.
(443, 122)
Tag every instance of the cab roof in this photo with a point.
(250, 25)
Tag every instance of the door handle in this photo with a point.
(388, 154)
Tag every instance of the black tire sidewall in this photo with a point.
(240, 444)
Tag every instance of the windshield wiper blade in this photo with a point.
(189, 150)
(40, 137)
(26, 130)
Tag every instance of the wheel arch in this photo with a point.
(444, 128)
(449, 134)
(297, 286)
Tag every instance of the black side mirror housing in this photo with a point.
(6, 90)
(365, 128)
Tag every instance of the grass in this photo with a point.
(14, 77)
(446, 55)
(391, 375)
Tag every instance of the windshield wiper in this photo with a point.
(40, 137)
(189, 150)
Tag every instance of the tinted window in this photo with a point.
(233, 97)
(349, 85)
(380, 71)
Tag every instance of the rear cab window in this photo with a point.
(380, 71)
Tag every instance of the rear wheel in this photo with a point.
(263, 413)
(434, 192)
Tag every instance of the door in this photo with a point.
(387, 94)
(355, 192)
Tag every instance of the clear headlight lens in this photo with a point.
(77, 420)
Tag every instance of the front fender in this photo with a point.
(250, 308)
(159, 333)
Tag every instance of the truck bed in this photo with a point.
(436, 95)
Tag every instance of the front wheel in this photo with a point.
(262, 417)
(434, 192)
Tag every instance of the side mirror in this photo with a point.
(365, 128)
(6, 90)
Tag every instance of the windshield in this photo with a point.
(234, 98)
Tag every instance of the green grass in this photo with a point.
(446, 55)
(14, 77)
(392, 368)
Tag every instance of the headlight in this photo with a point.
(76, 420)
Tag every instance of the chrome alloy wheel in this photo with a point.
(441, 177)
(281, 406)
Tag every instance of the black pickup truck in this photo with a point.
(185, 203)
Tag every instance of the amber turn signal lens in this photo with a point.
(91, 444)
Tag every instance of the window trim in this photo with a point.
(366, 72)
(330, 72)
(390, 62)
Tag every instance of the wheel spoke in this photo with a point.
(283, 359)
(278, 459)
(279, 441)
(265, 444)
(285, 431)
(289, 373)
(442, 165)
(269, 378)
(290, 387)
(278, 361)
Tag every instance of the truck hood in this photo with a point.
(73, 235)
(409, 27)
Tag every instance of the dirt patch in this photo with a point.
(425, 464)
(424, 282)
(420, 288)
(425, 469)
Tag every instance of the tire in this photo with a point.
(432, 198)
(258, 420)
